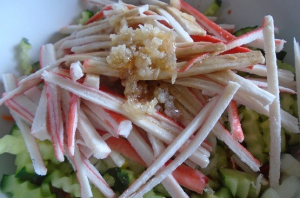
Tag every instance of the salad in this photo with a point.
(154, 100)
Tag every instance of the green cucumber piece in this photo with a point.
(123, 178)
(221, 193)
(239, 183)
(244, 30)
(212, 8)
(20, 189)
(265, 126)
(253, 134)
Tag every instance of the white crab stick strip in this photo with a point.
(184, 36)
(236, 147)
(31, 143)
(297, 67)
(245, 38)
(289, 122)
(247, 87)
(262, 84)
(92, 117)
(144, 150)
(20, 89)
(114, 123)
(171, 149)
(34, 94)
(235, 124)
(81, 173)
(39, 126)
(24, 107)
(95, 177)
(76, 71)
(55, 119)
(275, 117)
(47, 55)
(202, 133)
(35, 78)
(70, 29)
(91, 137)
(259, 43)
(92, 80)
(85, 40)
(286, 78)
(74, 105)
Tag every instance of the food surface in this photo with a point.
(154, 100)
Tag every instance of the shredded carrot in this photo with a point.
(7, 118)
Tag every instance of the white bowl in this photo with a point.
(39, 21)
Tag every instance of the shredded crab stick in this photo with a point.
(31, 143)
(47, 55)
(234, 120)
(81, 173)
(171, 149)
(74, 105)
(236, 147)
(275, 117)
(144, 150)
(33, 94)
(35, 78)
(186, 176)
(113, 122)
(297, 67)
(289, 122)
(259, 43)
(76, 71)
(263, 84)
(55, 119)
(191, 62)
(22, 106)
(245, 38)
(95, 177)
(286, 78)
(19, 90)
(209, 25)
(204, 130)
(92, 117)
(91, 137)
(39, 126)
(247, 87)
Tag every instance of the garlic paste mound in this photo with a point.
(144, 51)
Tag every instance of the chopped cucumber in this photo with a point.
(151, 194)
(123, 178)
(15, 131)
(212, 8)
(285, 66)
(239, 183)
(29, 175)
(85, 16)
(25, 59)
(221, 193)
(20, 189)
(11, 144)
(244, 30)
(67, 183)
(253, 134)
(265, 126)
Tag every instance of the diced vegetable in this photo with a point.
(85, 16)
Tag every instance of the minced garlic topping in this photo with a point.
(143, 51)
